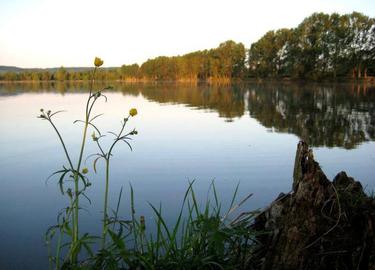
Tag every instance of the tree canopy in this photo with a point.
(322, 46)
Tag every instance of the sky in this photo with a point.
(41, 33)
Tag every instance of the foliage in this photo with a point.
(322, 46)
(226, 61)
(201, 238)
(222, 63)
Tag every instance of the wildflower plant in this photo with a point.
(122, 136)
(201, 238)
(70, 241)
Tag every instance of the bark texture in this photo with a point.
(320, 224)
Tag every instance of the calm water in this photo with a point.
(245, 133)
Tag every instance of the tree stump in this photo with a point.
(320, 224)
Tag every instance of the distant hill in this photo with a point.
(4, 69)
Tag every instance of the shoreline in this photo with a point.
(370, 80)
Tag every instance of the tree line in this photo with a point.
(222, 63)
(322, 47)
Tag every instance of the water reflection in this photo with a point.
(341, 115)
(323, 115)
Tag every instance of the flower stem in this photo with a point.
(104, 231)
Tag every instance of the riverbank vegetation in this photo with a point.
(322, 47)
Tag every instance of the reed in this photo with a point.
(202, 237)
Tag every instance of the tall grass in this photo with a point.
(201, 237)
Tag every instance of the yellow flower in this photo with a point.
(85, 170)
(98, 62)
(133, 112)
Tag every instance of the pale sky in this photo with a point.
(41, 33)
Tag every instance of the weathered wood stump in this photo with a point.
(320, 224)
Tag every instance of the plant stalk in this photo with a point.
(104, 232)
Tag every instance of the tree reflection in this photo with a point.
(341, 115)
(324, 115)
(227, 101)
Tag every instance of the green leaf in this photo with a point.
(95, 161)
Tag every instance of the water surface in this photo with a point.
(243, 133)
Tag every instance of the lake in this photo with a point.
(245, 133)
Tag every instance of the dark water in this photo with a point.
(243, 133)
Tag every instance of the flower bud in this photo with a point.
(133, 112)
(98, 62)
(85, 170)
(93, 136)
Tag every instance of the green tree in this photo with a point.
(60, 74)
